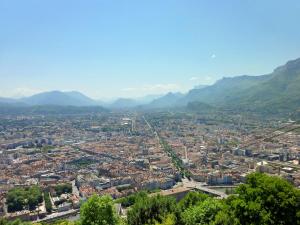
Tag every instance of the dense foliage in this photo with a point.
(131, 199)
(48, 203)
(202, 213)
(23, 198)
(16, 222)
(149, 210)
(98, 211)
(262, 200)
(63, 189)
(191, 199)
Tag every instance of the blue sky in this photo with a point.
(112, 48)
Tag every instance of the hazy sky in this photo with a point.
(110, 48)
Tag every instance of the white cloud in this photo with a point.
(205, 80)
(23, 91)
(208, 79)
(20, 92)
(194, 78)
(153, 88)
(129, 89)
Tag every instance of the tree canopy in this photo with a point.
(15, 222)
(131, 199)
(98, 211)
(264, 199)
(149, 210)
(23, 198)
(203, 213)
(191, 199)
(63, 189)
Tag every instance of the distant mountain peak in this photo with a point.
(73, 98)
(292, 65)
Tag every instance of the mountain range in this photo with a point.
(75, 98)
(277, 91)
(57, 98)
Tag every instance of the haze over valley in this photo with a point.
(149, 112)
(261, 93)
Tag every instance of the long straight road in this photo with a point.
(151, 128)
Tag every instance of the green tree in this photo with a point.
(151, 210)
(34, 197)
(19, 198)
(15, 222)
(98, 211)
(48, 203)
(63, 189)
(263, 200)
(170, 219)
(203, 213)
(63, 222)
(131, 199)
(15, 199)
(224, 218)
(191, 199)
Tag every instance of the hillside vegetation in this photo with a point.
(276, 92)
